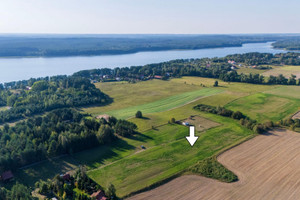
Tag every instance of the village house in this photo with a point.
(106, 117)
(157, 77)
(99, 195)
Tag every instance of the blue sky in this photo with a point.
(150, 16)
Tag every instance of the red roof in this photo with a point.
(158, 77)
(99, 195)
(7, 175)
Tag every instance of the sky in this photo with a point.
(149, 16)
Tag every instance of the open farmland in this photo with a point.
(263, 107)
(284, 70)
(267, 167)
(164, 104)
(126, 94)
(169, 157)
(286, 91)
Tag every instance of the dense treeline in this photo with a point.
(288, 44)
(211, 68)
(291, 123)
(62, 131)
(18, 192)
(63, 45)
(47, 94)
(244, 120)
(63, 188)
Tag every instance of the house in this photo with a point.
(66, 176)
(28, 88)
(231, 62)
(232, 67)
(7, 175)
(99, 195)
(158, 77)
(106, 117)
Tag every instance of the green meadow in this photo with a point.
(172, 154)
(164, 104)
(130, 168)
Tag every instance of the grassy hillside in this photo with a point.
(263, 107)
(168, 157)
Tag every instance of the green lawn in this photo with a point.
(163, 104)
(263, 107)
(167, 153)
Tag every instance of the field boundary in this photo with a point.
(185, 172)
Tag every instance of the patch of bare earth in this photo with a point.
(200, 123)
(267, 167)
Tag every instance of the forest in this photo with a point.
(61, 131)
(34, 96)
(86, 45)
(288, 44)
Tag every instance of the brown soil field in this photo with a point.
(296, 115)
(201, 123)
(267, 167)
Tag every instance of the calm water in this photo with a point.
(13, 69)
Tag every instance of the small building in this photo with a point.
(7, 175)
(66, 176)
(185, 123)
(28, 88)
(106, 117)
(99, 195)
(157, 77)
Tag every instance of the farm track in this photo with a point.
(267, 167)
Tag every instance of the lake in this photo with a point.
(13, 69)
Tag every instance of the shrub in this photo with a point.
(138, 114)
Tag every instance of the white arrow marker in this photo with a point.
(192, 139)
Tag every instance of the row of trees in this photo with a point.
(62, 131)
(244, 120)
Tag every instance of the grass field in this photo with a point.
(286, 91)
(170, 156)
(127, 94)
(267, 167)
(284, 70)
(246, 70)
(167, 152)
(263, 107)
(164, 104)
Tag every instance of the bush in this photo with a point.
(138, 114)
(211, 168)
